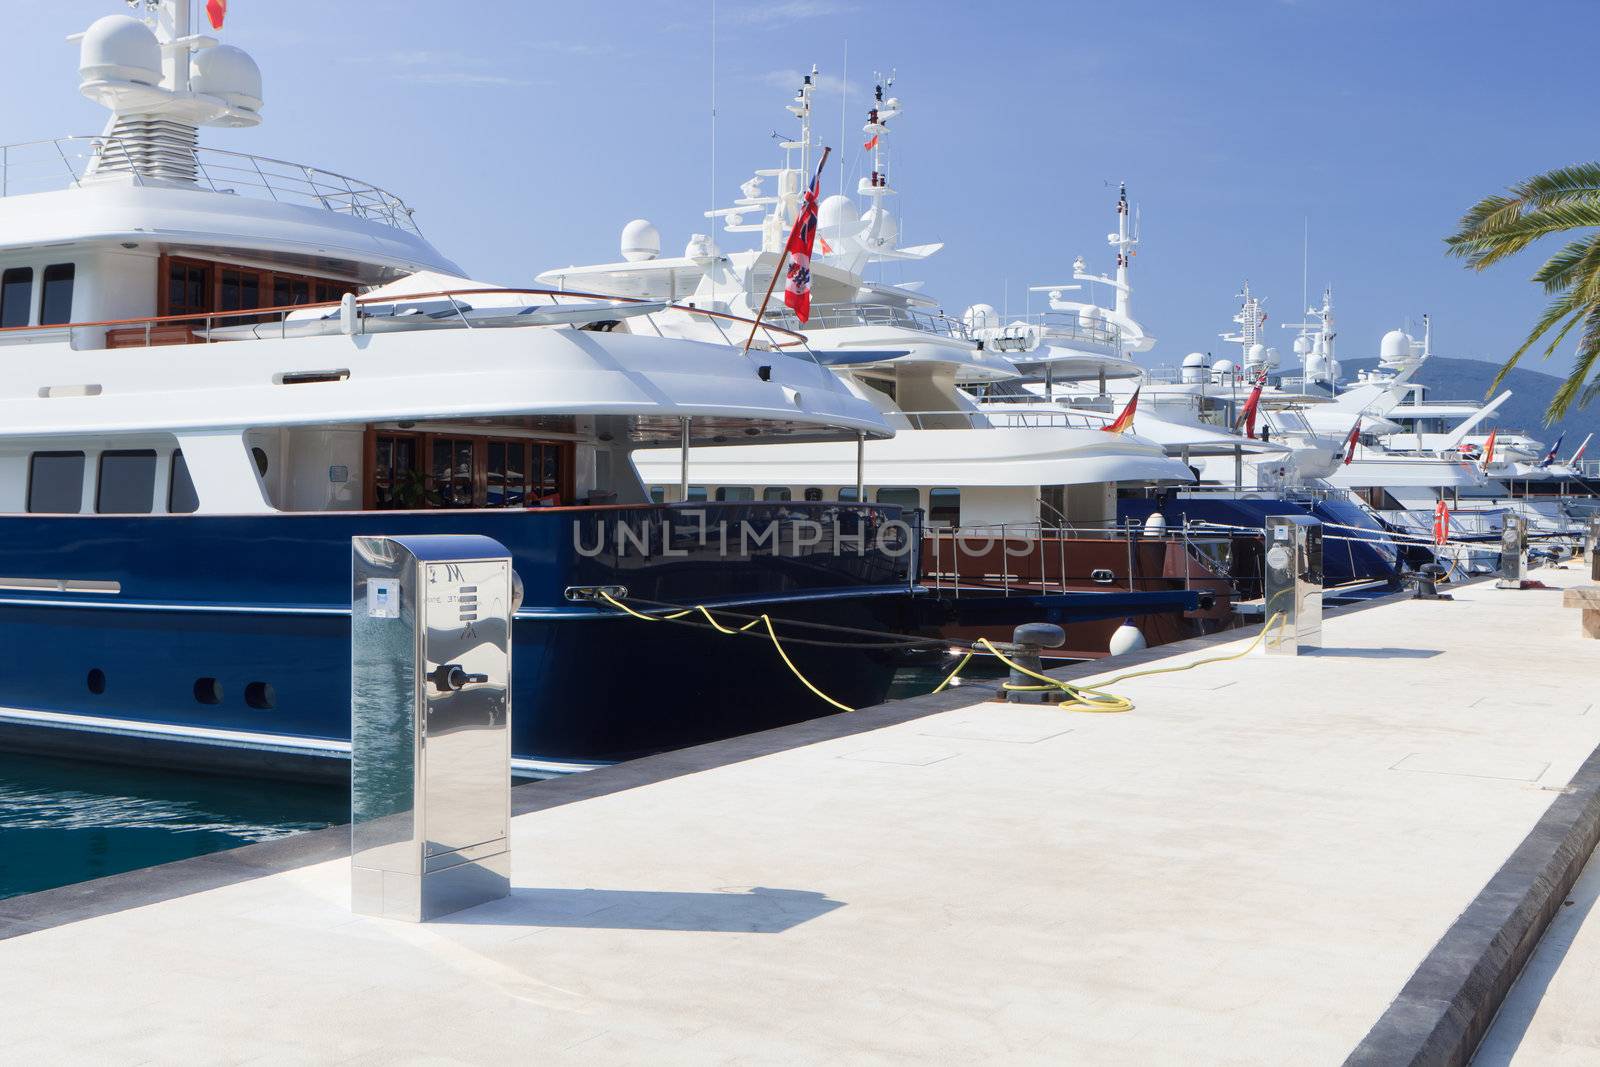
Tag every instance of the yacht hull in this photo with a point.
(228, 636)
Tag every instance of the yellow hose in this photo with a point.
(721, 629)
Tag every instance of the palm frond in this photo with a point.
(1555, 185)
(1484, 247)
(1565, 268)
(1588, 353)
(1563, 307)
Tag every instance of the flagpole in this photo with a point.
(782, 257)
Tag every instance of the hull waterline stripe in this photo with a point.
(321, 748)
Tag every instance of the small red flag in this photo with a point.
(216, 11)
(1124, 423)
(870, 145)
(1247, 417)
(1488, 448)
(1351, 442)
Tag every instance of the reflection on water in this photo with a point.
(63, 822)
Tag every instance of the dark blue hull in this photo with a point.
(1361, 554)
(213, 618)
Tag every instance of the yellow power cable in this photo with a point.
(721, 629)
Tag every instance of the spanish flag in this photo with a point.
(1124, 423)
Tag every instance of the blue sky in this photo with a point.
(526, 134)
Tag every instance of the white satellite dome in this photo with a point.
(1194, 367)
(981, 317)
(1221, 369)
(701, 247)
(119, 48)
(1256, 353)
(1302, 345)
(888, 231)
(227, 72)
(1396, 344)
(640, 241)
(1316, 366)
(837, 211)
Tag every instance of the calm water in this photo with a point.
(63, 822)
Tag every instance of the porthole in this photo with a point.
(260, 695)
(208, 690)
(259, 454)
(97, 681)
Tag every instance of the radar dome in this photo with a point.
(700, 247)
(227, 72)
(640, 241)
(119, 48)
(1302, 345)
(1194, 367)
(981, 317)
(1256, 353)
(1221, 369)
(882, 234)
(837, 211)
(1396, 344)
(1090, 315)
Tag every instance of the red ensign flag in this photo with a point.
(216, 11)
(797, 286)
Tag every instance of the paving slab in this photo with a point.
(1245, 870)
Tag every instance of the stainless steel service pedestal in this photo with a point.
(1591, 548)
(1513, 552)
(1292, 585)
(430, 724)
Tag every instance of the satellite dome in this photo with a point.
(1195, 359)
(701, 247)
(1272, 357)
(837, 211)
(640, 241)
(1221, 369)
(981, 317)
(1396, 344)
(888, 231)
(1256, 353)
(1302, 345)
(119, 48)
(1090, 315)
(227, 72)
(1194, 367)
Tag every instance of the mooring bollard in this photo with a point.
(1513, 553)
(1027, 641)
(1292, 585)
(430, 724)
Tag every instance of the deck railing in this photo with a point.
(69, 162)
(158, 330)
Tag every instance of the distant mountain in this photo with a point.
(1531, 390)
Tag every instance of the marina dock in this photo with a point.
(1344, 854)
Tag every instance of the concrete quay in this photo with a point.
(1337, 856)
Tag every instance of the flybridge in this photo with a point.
(161, 83)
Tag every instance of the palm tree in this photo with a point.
(1498, 227)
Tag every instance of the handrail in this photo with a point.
(332, 191)
(286, 309)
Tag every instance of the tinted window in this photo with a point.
(847, 495)
(55, 482)
(813, 494)
(944, 506)
(16, 293)
(181, 497)
(905, 497)
(736, 492)
(127, 483)
(776, 493)
(57, 304)
(697, 493)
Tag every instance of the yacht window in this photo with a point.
(181, 497)
(813, 495)
(944, 506)
(506, 474)
(776, 493)
(127, 483)
(904, 496)
(735, 492)
(847, 495)
(882, 385)
(55, 482)
(394, 478)
(450, 463)
(16, 296)
(56, 305)
(658, 494)
(697, 494)
(288, 290)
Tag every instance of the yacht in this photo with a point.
(988, 480)
(224, 367)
